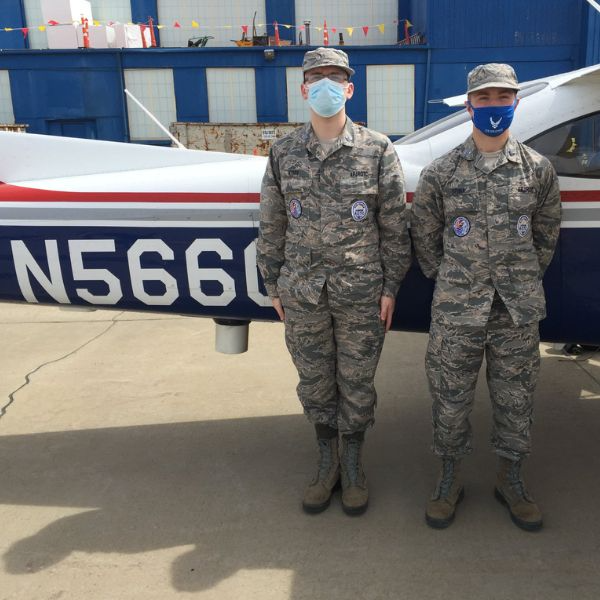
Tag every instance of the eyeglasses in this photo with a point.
(314, 77)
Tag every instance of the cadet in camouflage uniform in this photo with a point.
(485, 222)
(332, 250)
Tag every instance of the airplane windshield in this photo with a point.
(457, 118)
(436, 127)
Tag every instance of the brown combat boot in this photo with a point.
(355, 495)
(318, 494)
(449, 491)
(510, 491)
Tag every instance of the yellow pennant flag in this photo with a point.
(8, 29)
(159, 26)
(319, 29)
(96, 23)
(408, 23)
(287, 26)
(350, 31)
(381, 27)
(195, 25)
(42, 28)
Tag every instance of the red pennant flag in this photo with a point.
(301, 28)
(333, 30)
(365, 30)
(25, 31)
(52, 22)
(176, 24)
(245, 29)
(277, 40)
(325, 34)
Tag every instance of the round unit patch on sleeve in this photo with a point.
(523, 225)
(295, 208)
(461, 226)
(359, 210)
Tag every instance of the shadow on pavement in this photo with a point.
(230, 489)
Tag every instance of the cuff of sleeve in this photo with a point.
(390, 289)
(271, 290)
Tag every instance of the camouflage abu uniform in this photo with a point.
(333, 239)
(485, 233)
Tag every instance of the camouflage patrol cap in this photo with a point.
(492, 75)
(326, 57)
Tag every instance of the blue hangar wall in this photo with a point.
(53, 89)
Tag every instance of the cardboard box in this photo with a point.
(127, 36)
(62, 36)
(101, 36)
(66, 11)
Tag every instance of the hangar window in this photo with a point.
(118, 11)
(221, 19)
(6, 106)
(231, 95)
(298, 111)
(348, 19)
(155, 90)
(573, 147)
(33, 19)
(391, 98)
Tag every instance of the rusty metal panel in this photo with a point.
(19, 128)
(239, 138)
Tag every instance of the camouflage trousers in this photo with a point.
(453, 359)
(335, 346)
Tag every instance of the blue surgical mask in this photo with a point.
(493, 120)
(326, 97)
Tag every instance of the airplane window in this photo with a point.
(573, 148)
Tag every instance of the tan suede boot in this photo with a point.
(449, 491)
(355, 495)
(510, 491)
(318, 494)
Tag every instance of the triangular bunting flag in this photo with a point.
(288, 26)
(24, 31)
(96, 23)
(8, 29)
(350, 31)
(177, 25)
(366, 30)
(381, 27)
(245, 29)
(333, 29)
(42, 28)
(52, 22)
(195, 25)
(159, 26)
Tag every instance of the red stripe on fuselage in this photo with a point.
(15, 193)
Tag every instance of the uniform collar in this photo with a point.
(312, 141)
(469, 151)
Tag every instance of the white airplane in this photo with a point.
(93, 223)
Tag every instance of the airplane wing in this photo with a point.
(554, 81)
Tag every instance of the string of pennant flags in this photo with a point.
(349, 29)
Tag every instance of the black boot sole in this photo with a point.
(355, 511)
(443, 523)
(315, 509)
(525, 525)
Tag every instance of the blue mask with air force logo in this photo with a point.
(326, 97)
(493, 120)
